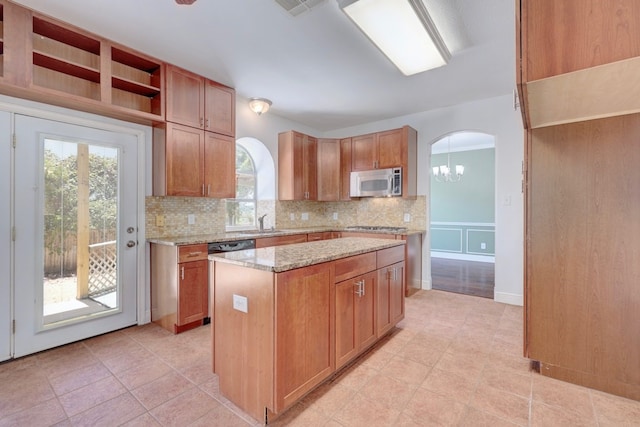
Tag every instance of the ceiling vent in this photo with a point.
(296, 7)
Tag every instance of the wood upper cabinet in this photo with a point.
(355, 316)
(328, 169)
(195, 101)
(219, 109)
(562, 37)
(193, 163)
(588, 52)
(364, 152)
(392, 148)
(219, 166)
(297, 166)
(345, 168)
(185, 97)
(378, 150)
(184, 161)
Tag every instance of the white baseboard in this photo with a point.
(506, 298)
(464, 257)
(426, 284)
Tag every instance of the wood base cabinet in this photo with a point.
(355, 316)
(179, 286)
(390, 295)
(582, 295)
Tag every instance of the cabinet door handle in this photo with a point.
(208, 189)
(193, 254)
(360, 290)
(203, 189)
(362, 283)
(201, 121)
(182, 273)
(208, 123)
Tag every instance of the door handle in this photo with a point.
(131, 244)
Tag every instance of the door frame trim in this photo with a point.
(142, 134)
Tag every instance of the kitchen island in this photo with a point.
(286, 318)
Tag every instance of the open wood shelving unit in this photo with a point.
(46, 60)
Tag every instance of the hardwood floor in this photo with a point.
(463, 277)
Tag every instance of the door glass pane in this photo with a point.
(80, 230)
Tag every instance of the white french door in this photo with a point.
(75, 249)
(5, 236)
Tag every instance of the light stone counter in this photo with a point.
(242, 235)
(288, 257)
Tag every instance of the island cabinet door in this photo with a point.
(304, 325)
(355, 316)
(390, 297)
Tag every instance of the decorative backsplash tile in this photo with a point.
(209, 214)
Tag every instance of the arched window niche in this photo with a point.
(255, 186)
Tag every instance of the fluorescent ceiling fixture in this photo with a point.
(402, 30)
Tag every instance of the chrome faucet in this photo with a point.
(261, 222)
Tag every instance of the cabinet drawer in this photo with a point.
(188, 253)
(347, 268)
(390, 256)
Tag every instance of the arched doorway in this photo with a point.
(462, 212)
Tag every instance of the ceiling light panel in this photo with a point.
(402, 30)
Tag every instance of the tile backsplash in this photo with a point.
(209, 214)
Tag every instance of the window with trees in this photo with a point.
(241, 211)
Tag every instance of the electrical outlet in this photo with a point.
(304, 216)
(335, 215)
(407, 217)
(292, 216)
(483, 245)
(191, 219)
(240, 303)
(159, 220)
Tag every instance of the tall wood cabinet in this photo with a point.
(577, 67)
(297, 166)
(201, 103)
(194, 152)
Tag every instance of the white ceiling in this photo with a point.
(317, 68)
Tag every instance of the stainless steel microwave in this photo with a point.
(376, 183)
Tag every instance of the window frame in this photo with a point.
(254, 200)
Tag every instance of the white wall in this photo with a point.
(495, 116)
(265, 128)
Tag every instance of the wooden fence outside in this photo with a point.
(64, 263)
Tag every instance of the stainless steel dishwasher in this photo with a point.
(236, 245)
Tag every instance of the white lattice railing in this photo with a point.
(103, 267)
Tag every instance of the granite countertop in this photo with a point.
(297, 255)
(251, 234)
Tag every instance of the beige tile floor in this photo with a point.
(454, 360)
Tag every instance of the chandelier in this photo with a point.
(443, 173)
